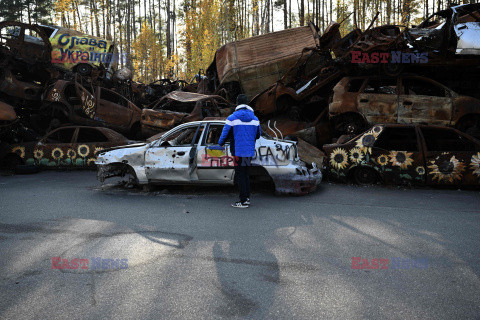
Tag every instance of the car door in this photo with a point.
(378, 100)
(214, 164)
(424, 101)
(53, 149)
(398, 157)
(113, 109)
(173, 157)
(88, 142)
(452, 158)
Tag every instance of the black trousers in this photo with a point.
(242, 174)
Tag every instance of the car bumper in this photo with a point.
(300, 182)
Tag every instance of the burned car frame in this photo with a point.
(189, 154)
(65, 147)
(179, 107)
(86, 104)
(361, 101)
(407, 154)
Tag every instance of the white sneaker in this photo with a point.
(239, 204)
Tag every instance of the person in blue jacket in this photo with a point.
(244, 129)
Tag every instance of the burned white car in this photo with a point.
(189, 154)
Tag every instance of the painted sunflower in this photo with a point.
(97, 150)
(339, 158)
(57, 153)
(382, 159)
(376, 130)
(83, 150)
(420, 170)
(20, 151)
(71, 154)
(356, 155)
(38, 154)
(91, 161)
(446, 170)
(401, 159)
(475, 164)
(366, 141)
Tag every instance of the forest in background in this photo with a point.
(178, 38)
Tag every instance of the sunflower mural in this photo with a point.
(475, 164)
(420, 170)
(376, 130)
(83, 150)
(38, 154)
(401, 159)
(444, 169)
(71, 155)
(339, 158)
(356, 155)
(366, 141)
(97, 150)
(20, 151)
(91, 162)
(57, 154)
(382, 160)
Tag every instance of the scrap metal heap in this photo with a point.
(305, 86)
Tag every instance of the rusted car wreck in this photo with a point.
(179, 107)
(65, 147)
(359, 102)
(189, 154)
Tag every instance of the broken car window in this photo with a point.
(182, 137)
(61, 136)
(399, 139)
(10, 32)
(354, 85)
(381, 86)
(439, 139)
(423, 88)
(86, 135)
(214, 133)
(113, 97)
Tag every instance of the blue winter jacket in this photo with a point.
(246, 129)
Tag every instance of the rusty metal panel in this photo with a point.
(6, 112)
(263, 59)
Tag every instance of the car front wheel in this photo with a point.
(365, 176)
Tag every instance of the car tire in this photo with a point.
(84, 69)
(365, 176)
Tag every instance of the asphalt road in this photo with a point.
(191, 256)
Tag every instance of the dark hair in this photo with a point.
(242, 99)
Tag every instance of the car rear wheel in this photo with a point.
(365, 176)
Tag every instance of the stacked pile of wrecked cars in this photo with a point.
(391, 104)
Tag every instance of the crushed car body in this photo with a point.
(65, 147)
(179, 107)
(82, 103)
(189, 154)
(406, 154)
(362, 101)
(251, 65)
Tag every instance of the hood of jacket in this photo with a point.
(244, 113)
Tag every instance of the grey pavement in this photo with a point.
(191, 256)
